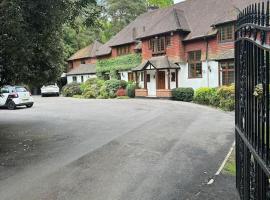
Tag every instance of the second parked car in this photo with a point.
(47, 90)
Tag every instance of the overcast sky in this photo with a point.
(177, 1)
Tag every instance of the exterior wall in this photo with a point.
(164, 93)
(175, 51)
(79, 79)
(209, 77)
(76, 63)
(141, 93)
(215, 48)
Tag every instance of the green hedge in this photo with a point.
(223, 97)
(120, 63)
(183, 94)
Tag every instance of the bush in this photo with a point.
(222, 97)
(227, 104)
(131, 87)
(183, 94)
(203, 95)
(113, 85)
(91, 88)
(71, 89)
(227, 97)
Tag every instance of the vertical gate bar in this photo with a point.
(256, 101)
(252, 98)
(267, 90)
(261, 102)
(267, 108)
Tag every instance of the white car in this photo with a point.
(13, 96)
(50, 90)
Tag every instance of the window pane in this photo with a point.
(148, 78)
(191, 70)
(198, 55)
(173, 77)
(198, 70)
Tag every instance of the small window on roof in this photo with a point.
(134, 33)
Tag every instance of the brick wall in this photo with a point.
(175, 51)
(215, 48)
(76, 63)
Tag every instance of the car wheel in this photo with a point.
(29, 105)
(11, 105)
(57, 94)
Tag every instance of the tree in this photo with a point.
(121, 12)
(31, 48)
(160, 3)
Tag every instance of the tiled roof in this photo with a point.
(224, 55)
(195, 16)
(159, 62)
(87, 52)
(83, 69)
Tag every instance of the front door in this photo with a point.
(151, 83)
(161, 80)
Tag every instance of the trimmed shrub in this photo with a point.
(183, 94)
(227, 97)
(131, 87)
(222, 97)
(91, 88)
(227, 104)
(71, 89)
(204, 94)
(113, 85)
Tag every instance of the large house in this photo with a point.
(81, 65)
(190, 44)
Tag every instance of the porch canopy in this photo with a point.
(159, 63)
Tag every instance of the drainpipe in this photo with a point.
(208, 69)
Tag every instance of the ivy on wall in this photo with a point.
(121, 63)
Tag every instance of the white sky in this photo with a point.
(177, 1)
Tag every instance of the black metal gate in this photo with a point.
(252, 102)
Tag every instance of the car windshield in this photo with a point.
(20, 89)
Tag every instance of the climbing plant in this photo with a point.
(121, 63)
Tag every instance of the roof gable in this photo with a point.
(88, 52)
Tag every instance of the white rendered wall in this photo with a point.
(209, 77)
(79, 79)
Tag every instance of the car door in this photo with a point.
(4, 92)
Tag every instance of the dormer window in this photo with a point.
(134, 33)
(123, 50)
(226, 33)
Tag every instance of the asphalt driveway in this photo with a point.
(74, 149)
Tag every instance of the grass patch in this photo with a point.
(123, 97)
(230, 167)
